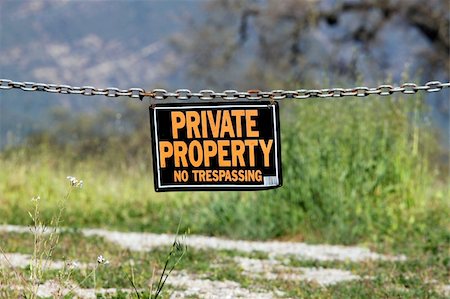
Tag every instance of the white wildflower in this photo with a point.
(36, 198)
(74, 182)
(101, 260)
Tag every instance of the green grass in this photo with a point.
(355, 171)
(417, 277)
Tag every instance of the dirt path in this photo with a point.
(188, 284)
(147, 241)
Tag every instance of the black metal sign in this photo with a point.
(216, 146)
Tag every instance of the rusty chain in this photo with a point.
(254, 94)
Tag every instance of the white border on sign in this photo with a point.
(209, 185)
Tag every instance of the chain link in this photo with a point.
(208, 95)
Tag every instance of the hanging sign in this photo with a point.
(216, 146)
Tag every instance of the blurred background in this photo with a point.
(371, 170)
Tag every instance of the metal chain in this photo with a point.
(254, 94)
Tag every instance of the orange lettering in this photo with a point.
(222, 153)
(166, 151)
(204, 124)
(251, 147)
(192, 123)
(238, 114)
(195, 148)
(180, 151)
(210, 150)
(237, 153)
(215, 126)
(266, 150)
(251, 123)
(227, 125)
(178, 122)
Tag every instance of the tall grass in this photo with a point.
(354, 171)
(360, 170)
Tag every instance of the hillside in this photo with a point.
(82, 43)
(112, 43)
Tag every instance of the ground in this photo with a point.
(216, 268)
